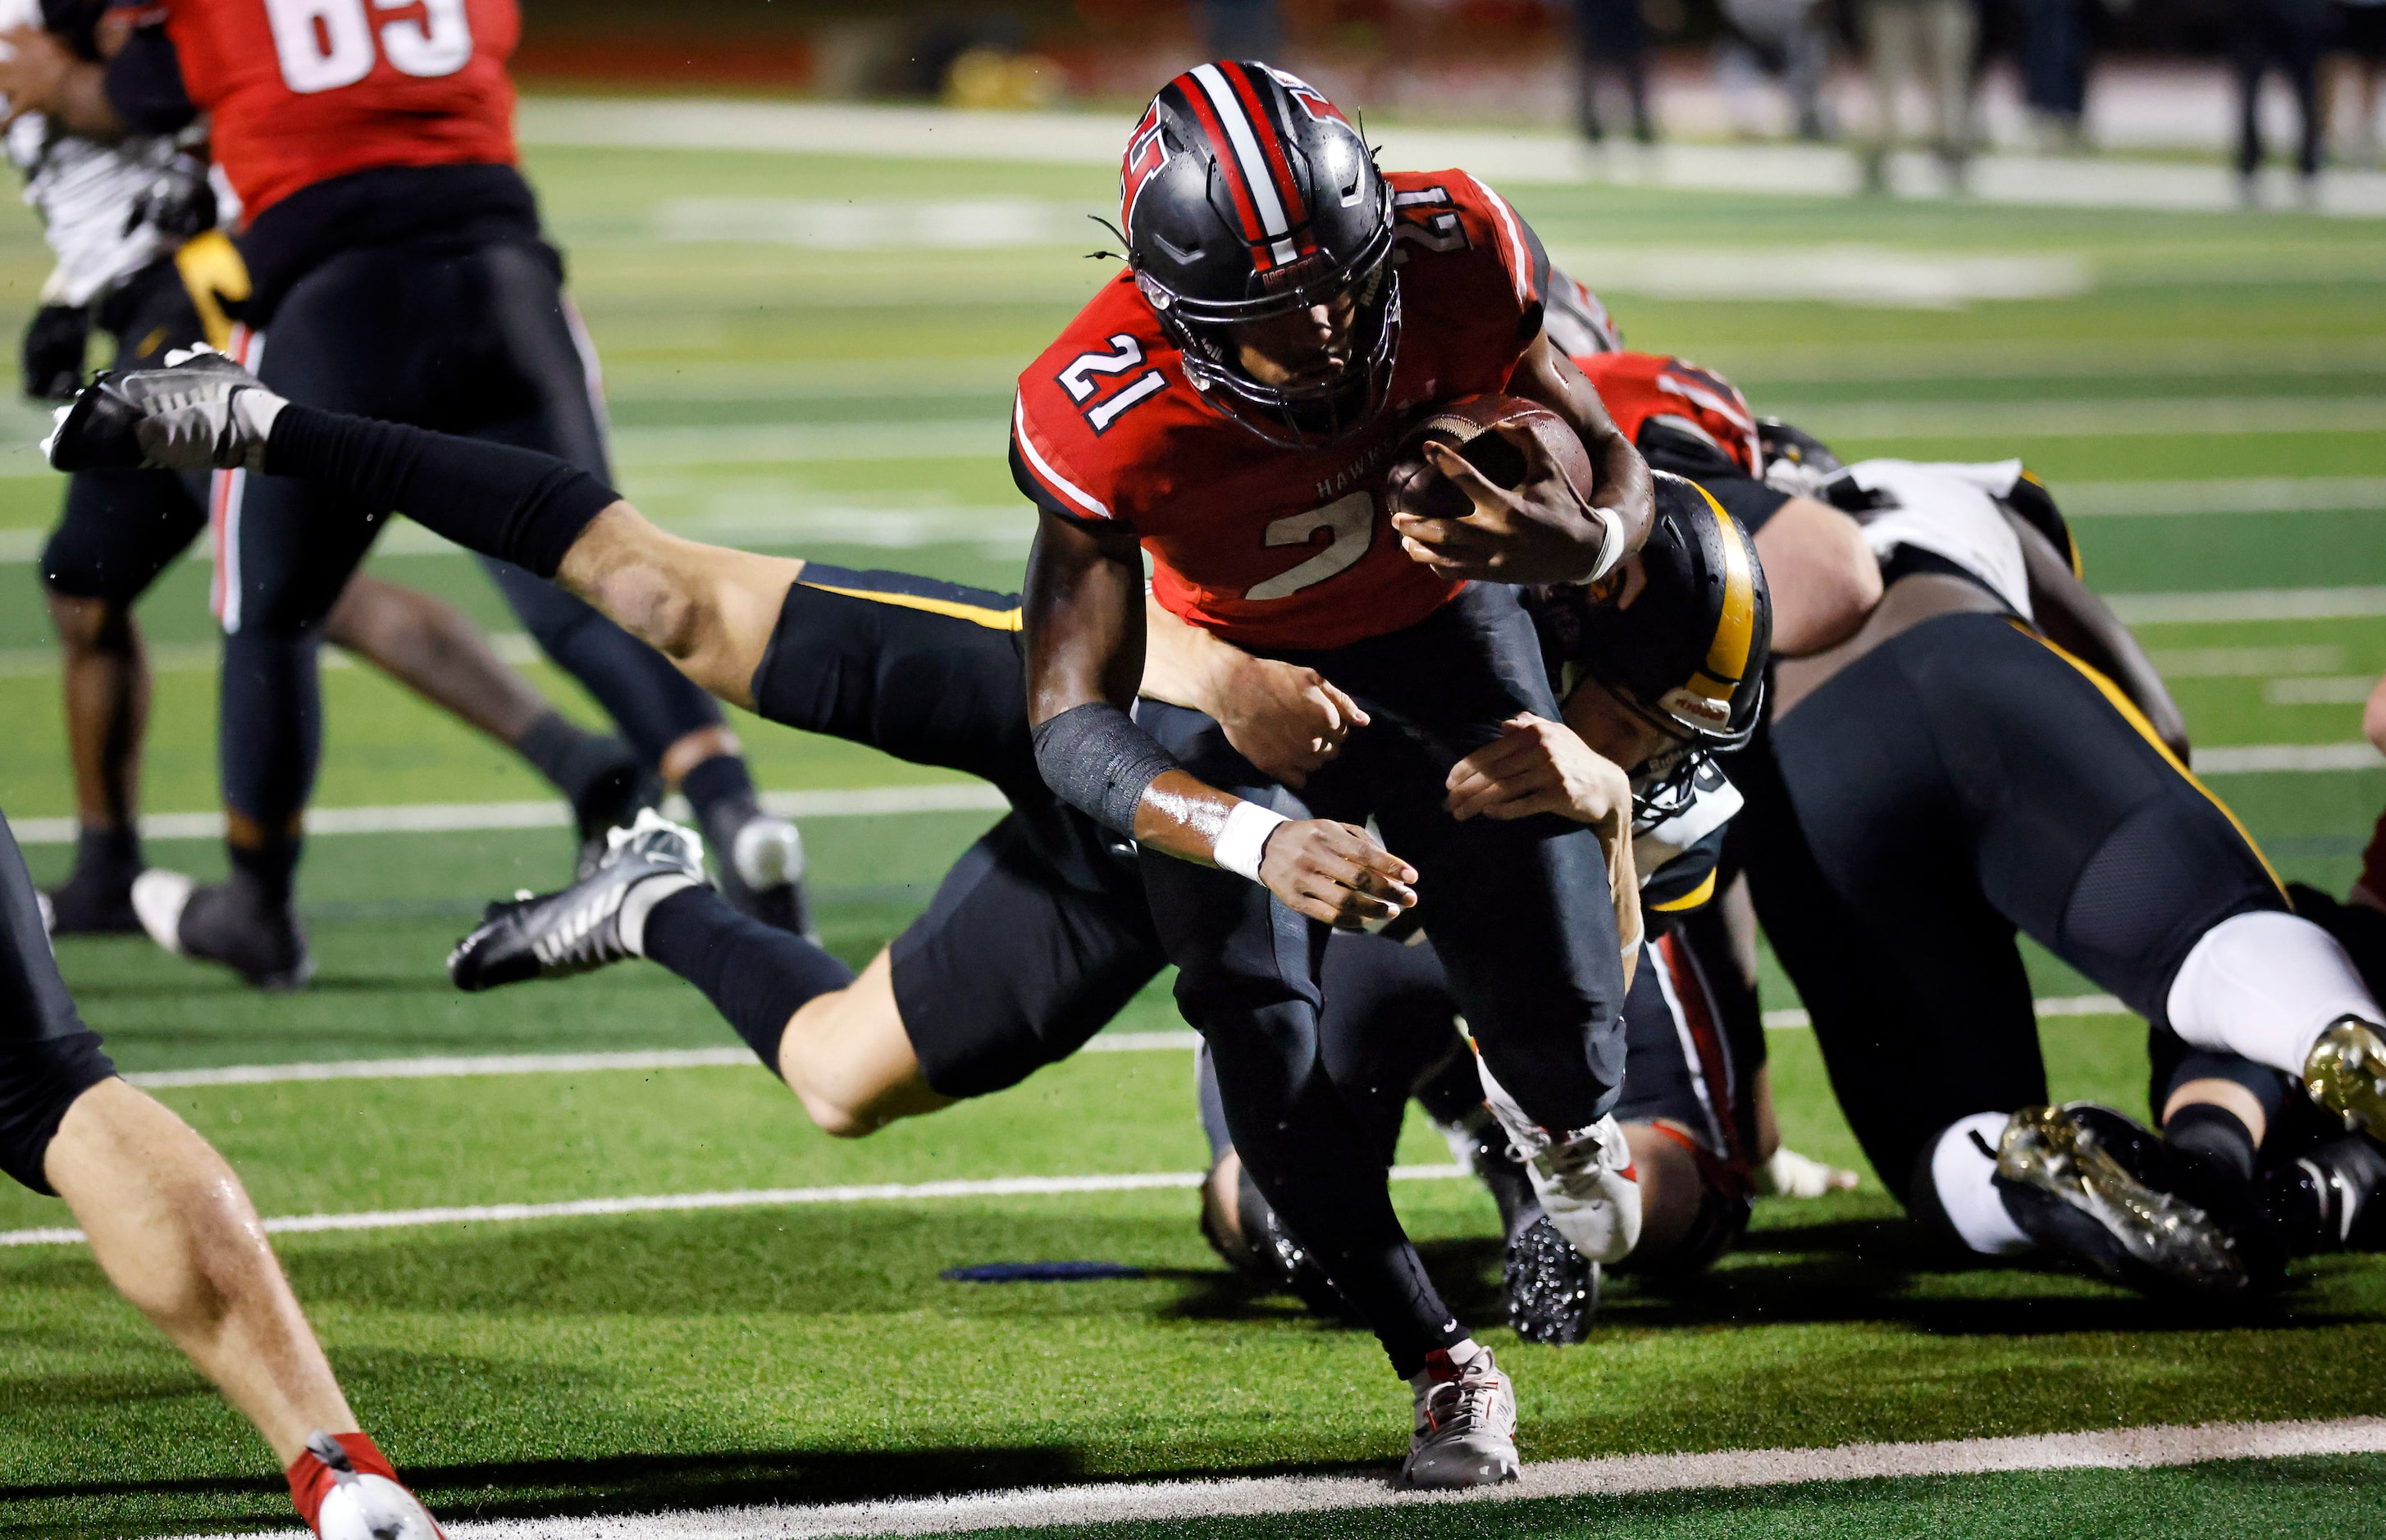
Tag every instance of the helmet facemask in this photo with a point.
(1297, 415)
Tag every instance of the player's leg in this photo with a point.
(1862, 853)
(1520, 913)
(427, 646)
(117, 531)
(1248, 979)
(558, 408)
(2105, 849)
(169, 1223)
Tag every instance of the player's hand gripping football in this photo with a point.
(1336, 872)
(1543, 531)
(1539, 766)
(1286, 719)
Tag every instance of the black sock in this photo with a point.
(721, 783)
(2215, 1136)
(517, 504)
(755, 975)
(576, 760)
(115, 851)
(265, 872)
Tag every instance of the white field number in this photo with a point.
(324, 45)
(1352, 518)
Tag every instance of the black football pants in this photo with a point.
(1519, 914)
(47, 1057)
(1959, 783)
(477, 343)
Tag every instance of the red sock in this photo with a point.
(311, 1478)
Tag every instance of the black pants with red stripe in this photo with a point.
(1961, 781)
(477, 343)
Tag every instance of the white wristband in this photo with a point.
(1245, 835)
(1611, 543)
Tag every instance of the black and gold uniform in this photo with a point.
(1040, 934)
(1950, 777)
(47, 1057)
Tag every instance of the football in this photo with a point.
(1412, 485)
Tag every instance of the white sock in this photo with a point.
(2264, 986)
(1960, 1172)
(640, 902)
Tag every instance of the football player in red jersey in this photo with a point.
(397, 266)
(1229, 406)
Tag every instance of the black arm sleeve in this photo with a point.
(516, 503)
(1097, 761)
(145, 85)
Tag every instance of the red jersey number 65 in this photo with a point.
(324, 45)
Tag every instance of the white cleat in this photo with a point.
(1465, 1429)
(159, 898)
(1584, 1178)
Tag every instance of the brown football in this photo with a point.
(1412, 485)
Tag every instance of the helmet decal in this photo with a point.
(1726, 664)
(1146, 156)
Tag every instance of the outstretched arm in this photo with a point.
(1085, 636)
(1286, 719)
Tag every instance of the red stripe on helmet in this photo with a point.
(1222, 152)
(1271, 138)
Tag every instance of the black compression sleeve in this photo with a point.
(1097, 761)
(515, 504)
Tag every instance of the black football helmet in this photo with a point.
(1246, 195)
(1686, 654)
(1795, 460)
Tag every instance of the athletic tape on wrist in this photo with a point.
(1244, 839)
(1097, 761)
(1611, 543)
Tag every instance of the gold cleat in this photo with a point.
(2346, 1075)
(2075, 1181)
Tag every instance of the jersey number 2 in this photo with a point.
(324, 45)
(1352, 518)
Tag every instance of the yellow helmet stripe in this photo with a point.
(1735, 628)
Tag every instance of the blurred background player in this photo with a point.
(2361, 39)
(1928, 45)
(1609, 38)
(2290, 36)
(172, 1227)
(131, 222)
(396, 263)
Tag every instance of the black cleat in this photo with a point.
(2087, 1182)
(1258, 1247)
(95, 901)
(2332, 1198)
(613, 800)
(101, 430)
(1553, 1289)
(227, 923)
(579, 929)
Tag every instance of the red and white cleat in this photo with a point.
(1583, 1177)
(347, 1490)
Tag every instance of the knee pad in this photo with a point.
(39, 1080)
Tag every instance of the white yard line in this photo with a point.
(433, 1066)
(970, 796)
(759, 1197)
(1496, 155)
(1617, 1475)
(2226, 605)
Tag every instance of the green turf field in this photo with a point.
(812, 1353)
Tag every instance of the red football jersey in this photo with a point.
(298, 91)
(1639, 386)
(1268, 546)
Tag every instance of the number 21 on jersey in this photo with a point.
(324, 45)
